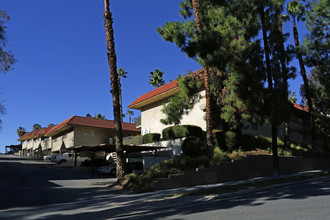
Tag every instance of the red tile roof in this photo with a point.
(162, 89)
(157, 91)
(92, 122)
(300, 107)
(174, 84)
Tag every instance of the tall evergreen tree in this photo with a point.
(225, 46)
(297, 12)
(317, 46)
(265, 28)
(112, 60)
(206, 70)
(7, 58)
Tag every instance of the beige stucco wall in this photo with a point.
(152, 114)
(36, 143)
(29, 144)
(24, 145)
(46, 144)
(87, 136)
(66, 139)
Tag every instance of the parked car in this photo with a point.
(97, 163)
(53, 157)
(47, 157)
(62, 158)
(110, 169)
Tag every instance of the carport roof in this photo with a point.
(112, 148)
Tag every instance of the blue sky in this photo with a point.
(62, 67)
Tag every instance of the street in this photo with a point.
(38, 190)
(26, 182)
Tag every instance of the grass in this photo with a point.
(253, 185)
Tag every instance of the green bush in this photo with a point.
(182, 131)
(219, 157)
(150, 138)
(219, 139)
(176, 165)
(231, 141)
(249, 142)
(193, 146)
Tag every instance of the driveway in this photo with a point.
(26, 182)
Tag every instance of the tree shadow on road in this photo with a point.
(106, 203)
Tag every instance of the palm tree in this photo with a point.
(36, 126)
(156, 78)
(129, 113)
(21, 131)
(296, 12)
(270, 89)
(207, 87)
(112, 61)
(99, 116)
(121, 73)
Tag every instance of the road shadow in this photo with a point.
(106, 203)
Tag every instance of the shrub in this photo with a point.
(249, 142)
(231, 141)
(182, 131)
(219, 139)
(193, 146)
(152, 137)
(237, 154)
(144, 181)
(219, 157)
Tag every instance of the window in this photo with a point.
(55, 139)
(65, 136)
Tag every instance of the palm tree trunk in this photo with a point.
(112, 60)
(270, 88)
(285, 82)
(120, 100)
(306, 84)
(207, 88)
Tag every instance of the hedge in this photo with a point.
(151, 137)
(193, 147)
(182, 131)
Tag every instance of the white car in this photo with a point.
(47, 157)
(109, 169)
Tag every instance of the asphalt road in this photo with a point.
(26, 182)
(310, 200)
(41, 191)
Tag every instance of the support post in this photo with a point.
(75, 158)
(93, 162)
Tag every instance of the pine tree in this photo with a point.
(317, 46)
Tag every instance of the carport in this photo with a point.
(108, 148)
(17, 147)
